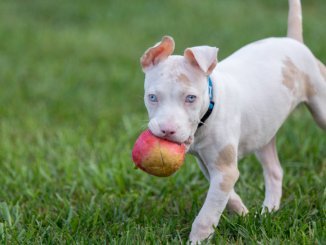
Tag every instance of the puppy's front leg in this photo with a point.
(223, 175)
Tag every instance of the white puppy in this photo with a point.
(224, 111)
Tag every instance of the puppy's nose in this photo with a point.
(167, 130)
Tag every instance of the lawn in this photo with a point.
(71, 107)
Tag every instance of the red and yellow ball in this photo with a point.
(157, 156)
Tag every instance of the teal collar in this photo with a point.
(211, 103)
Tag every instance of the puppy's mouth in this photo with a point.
(176, 137)
(187, 142)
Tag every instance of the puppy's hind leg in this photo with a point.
(273, 175)
(317, 96)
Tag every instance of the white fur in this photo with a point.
(252, 102)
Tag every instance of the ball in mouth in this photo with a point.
(157, 156)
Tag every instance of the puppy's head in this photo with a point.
(176, 90)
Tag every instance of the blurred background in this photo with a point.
(71, 107)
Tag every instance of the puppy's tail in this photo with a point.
(316, 102)
(295, 20)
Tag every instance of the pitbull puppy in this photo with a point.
(223, 111)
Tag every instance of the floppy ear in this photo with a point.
(159, 52)
(202, 57)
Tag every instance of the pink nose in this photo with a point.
(167, 131)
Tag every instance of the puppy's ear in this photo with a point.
(159, 52)
(202, 57)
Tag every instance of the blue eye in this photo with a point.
(152, 98)
(191, 98)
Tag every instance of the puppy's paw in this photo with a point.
(200, 232)
(236, 206)
(269, 208)
(272, 202)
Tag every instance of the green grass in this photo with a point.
(71, 93)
